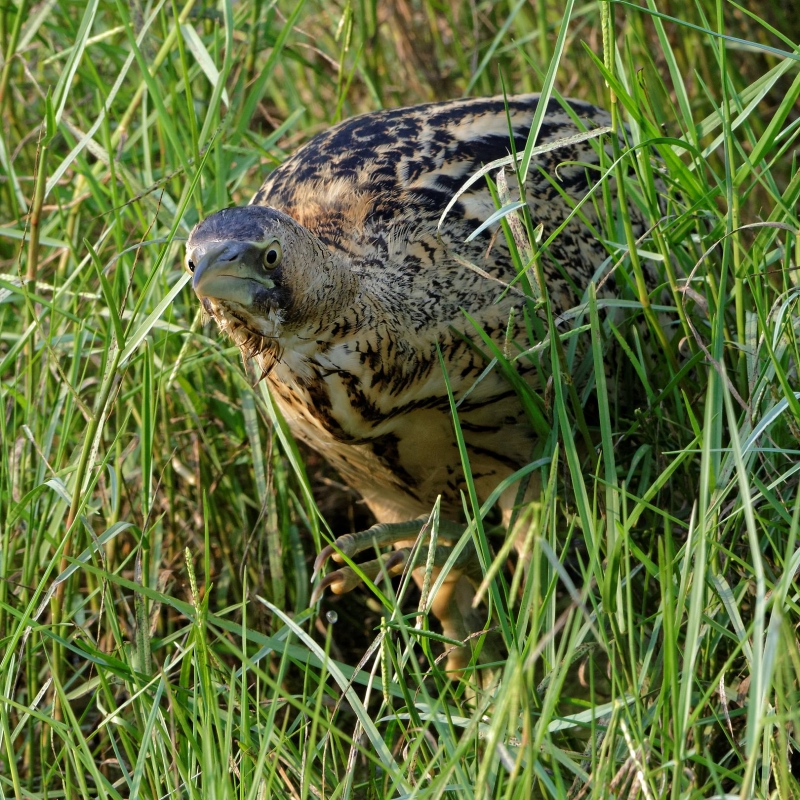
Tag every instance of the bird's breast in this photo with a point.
(390, 433)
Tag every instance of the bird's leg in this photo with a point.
(453, 607)
(452, 604)
(381, 535)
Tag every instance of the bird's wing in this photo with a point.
(375, 186)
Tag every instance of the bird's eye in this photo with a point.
(272, 256)
(190, 265)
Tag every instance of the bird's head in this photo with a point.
(258, 273)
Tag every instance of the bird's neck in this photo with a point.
(328, 293)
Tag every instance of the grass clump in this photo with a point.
(156, 521)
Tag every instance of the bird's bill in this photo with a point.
(223, 272)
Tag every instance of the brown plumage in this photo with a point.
(336, 282)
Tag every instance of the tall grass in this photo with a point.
(157, 522)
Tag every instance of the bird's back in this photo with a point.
(375, 185)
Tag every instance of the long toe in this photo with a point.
(381, 535)
(346, 579)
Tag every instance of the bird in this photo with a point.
(359, 299)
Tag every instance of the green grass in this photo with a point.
(157, 523)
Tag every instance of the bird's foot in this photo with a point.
(346, 579)
(452, 603)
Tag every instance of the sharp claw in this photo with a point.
(316, 594)
(347, 544)
(345, 579)
(319, 561)
(328, 580)
(340, 581)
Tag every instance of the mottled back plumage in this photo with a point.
(375, 186)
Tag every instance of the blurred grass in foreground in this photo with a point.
(156, 526)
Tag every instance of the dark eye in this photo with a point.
(273, 255)
(190, 264)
